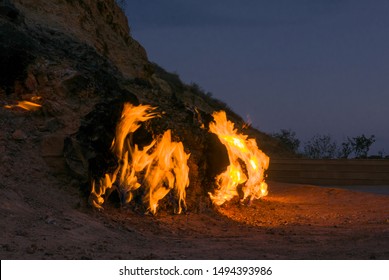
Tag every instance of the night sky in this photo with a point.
(315, 67)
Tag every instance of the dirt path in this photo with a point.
(294, 222)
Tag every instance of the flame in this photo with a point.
(157, 168)
(26, 105)
(240, 150)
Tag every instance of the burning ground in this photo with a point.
(64, 89)
(44, 216)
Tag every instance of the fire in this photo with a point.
(26, 105)
(157, 168)
(247, 163)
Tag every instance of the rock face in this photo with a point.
(77, 59)
(100, 24)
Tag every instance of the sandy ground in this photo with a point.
(293, 222)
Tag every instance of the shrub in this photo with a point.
(320, 147)
(288, 138)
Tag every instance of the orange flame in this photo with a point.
(26, 105)
(159, 167)
(239, 149)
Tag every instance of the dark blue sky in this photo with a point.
(316, 67)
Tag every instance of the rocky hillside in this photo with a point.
(78, 61)
(99, 24)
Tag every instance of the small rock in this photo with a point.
(50, 221)
(19, 135)
(31, 249)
